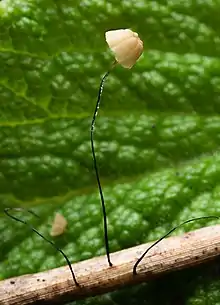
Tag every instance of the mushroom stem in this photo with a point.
(95, 162)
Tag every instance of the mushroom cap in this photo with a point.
(59, 225)
(126, 46)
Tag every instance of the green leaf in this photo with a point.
(157, 134)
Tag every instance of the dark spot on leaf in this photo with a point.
(12, 282)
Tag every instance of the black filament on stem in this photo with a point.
(6, 210)
(168, 233)
(96, 167)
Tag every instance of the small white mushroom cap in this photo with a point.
(59, 225)
(126, 45)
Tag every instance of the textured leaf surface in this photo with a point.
(157, 135)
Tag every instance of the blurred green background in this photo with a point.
(157, 135)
